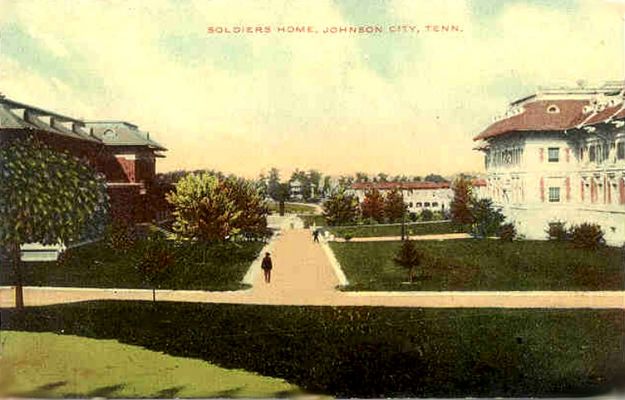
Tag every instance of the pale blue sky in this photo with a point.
(396, 102)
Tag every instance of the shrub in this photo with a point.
(427, 215)
(587, 236)
(348, 236)
(487, 219)
(121, 237)
(409, 257)
(155, 261)
(557, 231)
(413, 216)
(507, 232)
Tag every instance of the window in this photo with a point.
(554, 194)
(591, 154)
(554, 154)
(435, 204)
(620, 151)
(419, 204)
(410, 204)
(426, 204)
(553, 109)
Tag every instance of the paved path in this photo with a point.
(440, 236)
(303, 275)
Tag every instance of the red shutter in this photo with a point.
(621, 189)
(541, 154)
(581, 188)
(567, 153)
(567, 184)
(609, 190)
(605, 190)
(593, 191)
(542, 188)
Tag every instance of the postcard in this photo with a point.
(297, 199)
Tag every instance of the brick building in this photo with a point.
(125, 155)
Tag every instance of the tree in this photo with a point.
(461, 203)
(155, 261)
(341, 208)
(46, 196)
(273, 183)
(372, 206)
(394, 206)
(427, 215)
(382, 177)
(435, 178)
(409, 257)
(314, 179)
(213, 209)
(487, 219)
(327, 185)
(362, 177)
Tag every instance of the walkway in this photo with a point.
(303, 275)
(439, 236)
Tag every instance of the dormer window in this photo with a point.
(109, 134)
(553, 109)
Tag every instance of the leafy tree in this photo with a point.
(327, 187)
(46, 196)
(341, 209)
(362, 177)
(409, 257)
(372, 206)
(314, 178)
(345, 181)
(213, 209)
(382, 177)
(488, 220)
(252, 221)
(262, 185)
(155, 262)
(435, 178)
(273, 184)
(416, 179)
(394, 206)
(460, 206)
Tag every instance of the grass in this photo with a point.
(292, 208)
(358, 352)
(46, 365)
(395, 230)
(198, 266)
(309, 220)
(474, 264)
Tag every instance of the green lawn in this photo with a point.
(474, 264)
(309, 220)
(339, 351)
(52, 365)
(198, 266)
(395, 230)
(291, 208)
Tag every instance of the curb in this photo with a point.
(338, 271)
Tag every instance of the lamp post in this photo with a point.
(403, 225)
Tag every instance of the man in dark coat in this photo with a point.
(316, 235)
(267, 265)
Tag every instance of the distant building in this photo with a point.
(295, 190)
(559, 155)
(418, 196)
(125, 155)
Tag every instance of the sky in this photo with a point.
(402, 103)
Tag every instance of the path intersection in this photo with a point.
(304, 275)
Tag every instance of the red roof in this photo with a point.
(478, 182)
(400, 185)
(536, 118)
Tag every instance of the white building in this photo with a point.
(418, 196)
(559, 155)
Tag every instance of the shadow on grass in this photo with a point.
(367, 351)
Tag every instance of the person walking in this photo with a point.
(267, 265)
(316, 235)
